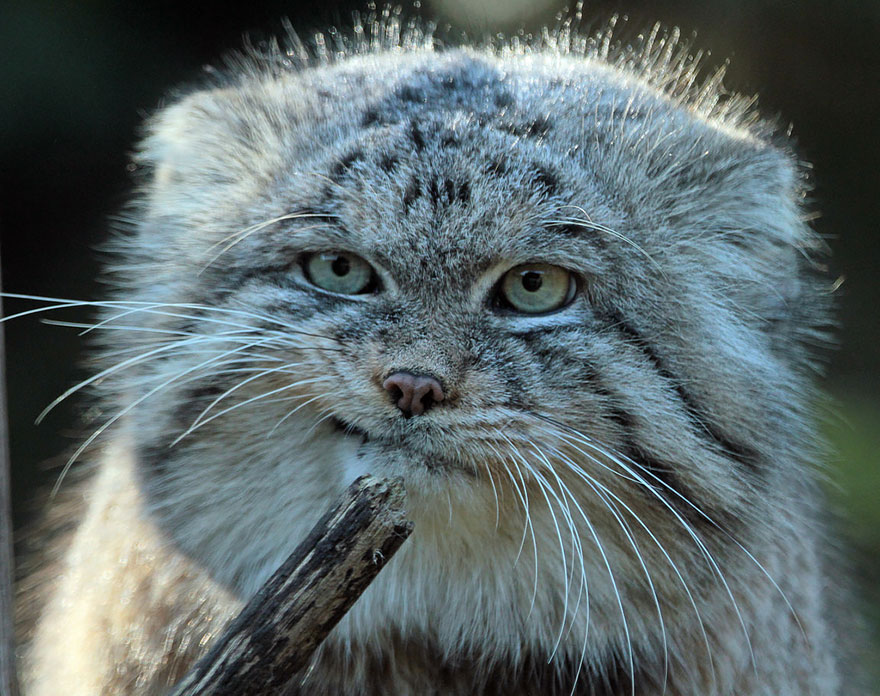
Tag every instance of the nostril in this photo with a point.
(413, 394)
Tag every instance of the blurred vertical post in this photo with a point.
(8, 682)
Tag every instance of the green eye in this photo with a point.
(537, 288)
(339, 272)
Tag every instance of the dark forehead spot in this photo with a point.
(584, 230)
(416, 136)
(546, 178)
(413, 191)
(411, 94)
(497, 167)
(535, 128)
(503, 98)
(446, 191)
(448, 138)
(434, 191)
(341, 167)
(371, 117)
(387, 163)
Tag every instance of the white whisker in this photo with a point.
(713, 564)
(258, 397)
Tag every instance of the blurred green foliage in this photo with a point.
(853, 432)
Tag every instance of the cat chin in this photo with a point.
(372, 454)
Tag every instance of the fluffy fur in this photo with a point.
(613, 498)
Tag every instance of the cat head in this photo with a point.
(594, 283)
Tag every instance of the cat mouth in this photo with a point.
(349, 429)
(433, 462)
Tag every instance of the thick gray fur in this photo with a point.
(614, 498)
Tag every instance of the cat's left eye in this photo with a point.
(536, 288)
(339, 272)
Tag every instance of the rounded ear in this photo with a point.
(186, 140)
(740, 212)
(211, 146)
(736, 185)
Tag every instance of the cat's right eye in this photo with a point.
(536, 288)
(340, 272)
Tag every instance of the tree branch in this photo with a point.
(284, 623)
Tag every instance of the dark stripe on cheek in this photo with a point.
(551, 353)
(153, 459)
(197, 399)
(660, 480)
(744, 455)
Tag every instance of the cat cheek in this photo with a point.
(354, 462)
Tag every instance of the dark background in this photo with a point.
(77, 78)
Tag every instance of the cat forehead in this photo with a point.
(439, 124)
(440, 163)
(470, 201)
(389, 88)
(457, 151)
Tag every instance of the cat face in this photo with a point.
(601, 287)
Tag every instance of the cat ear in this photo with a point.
(738, 214)
(207, 147)
(182, 138)
(732, 184)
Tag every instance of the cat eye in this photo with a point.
(536, 288)
(339, 272)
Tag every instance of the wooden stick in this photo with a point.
(279, 629)
(7, 639)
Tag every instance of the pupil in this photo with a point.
(340, 266)
(532, 281)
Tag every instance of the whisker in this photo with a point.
(250, 400)
(241, 235)
(154, 308)
(97, 433)
(618, 459)
(588, 224)
(575, 539)
(295, 410)
(324, 414)
(535, 475)
(135, 360)
(528, 527)
(262, 373)
(580, 472)
(607, 563)
(612, 508)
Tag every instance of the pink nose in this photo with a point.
(413, 394)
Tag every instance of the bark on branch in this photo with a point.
(279, 629)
